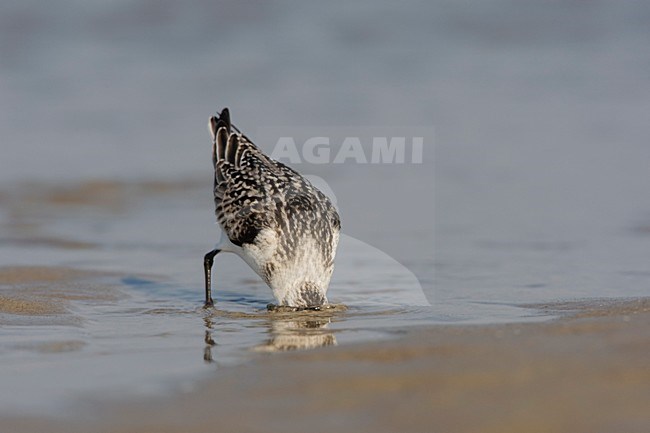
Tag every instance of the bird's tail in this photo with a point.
(220, 128)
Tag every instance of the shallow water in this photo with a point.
(533, 186)
(136, 326)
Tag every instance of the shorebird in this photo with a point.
(283, 227)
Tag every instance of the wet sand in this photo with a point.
(31, 295)
(585, 372)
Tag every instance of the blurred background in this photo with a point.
(540, 167)
(86, 83)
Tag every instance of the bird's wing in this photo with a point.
(253, 191)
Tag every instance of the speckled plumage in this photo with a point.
(273, 218)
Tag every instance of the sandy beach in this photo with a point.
(586, 371)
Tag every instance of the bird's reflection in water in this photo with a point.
(293, 331)
(301, 333)
(209, 341)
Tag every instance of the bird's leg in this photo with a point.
(208, 260)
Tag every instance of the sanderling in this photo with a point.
(273, 218)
